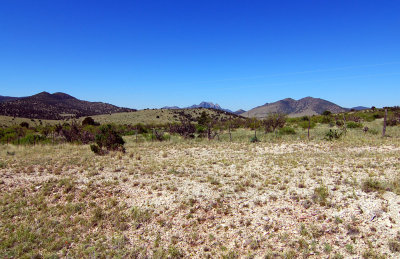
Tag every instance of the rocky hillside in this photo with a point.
(55, 106)
(7, 98)
(295, 108)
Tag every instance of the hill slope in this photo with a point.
(7, 98)
(295, 108)
(55, 106)
(207, 105)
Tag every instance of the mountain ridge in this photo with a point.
(294, 108)
(55, 106)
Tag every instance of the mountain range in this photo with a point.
(54, 106)
(7, 98)
(61, 105)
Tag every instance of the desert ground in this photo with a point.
(203, 199)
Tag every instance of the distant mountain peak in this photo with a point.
(44, 93)
(294, 108)
(239, 112)
(61, 95)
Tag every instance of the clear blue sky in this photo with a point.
(240, 54)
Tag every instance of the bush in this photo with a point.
(254, 139)
(24, 124)
(109, 140)
(200, 129)
(321, 195)
(31, 139)
(74, 133)
(326, 120)
(327, 113)
(160, 136)
(371, 185)
(392, 121)
(339, 123)
(89, 121)
(353, 125)
(185, 129)
(272, 122)
(304, 124)
(96, 149)
(287, 131)
(140, 128)
(333, 134)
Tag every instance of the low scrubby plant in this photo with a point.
(371, 185)
(353, 125)
(392, 121)
(89, 121)
(333, 134)
(108, 140)
(287, 131)
(254, 140)
(321, 195)
(306, 124)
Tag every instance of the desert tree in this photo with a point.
(273, 122)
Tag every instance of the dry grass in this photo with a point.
(149, 116)
(154, 116)
(284, 198)
(7, 121)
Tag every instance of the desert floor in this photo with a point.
(202, 199)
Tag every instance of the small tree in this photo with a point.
(274, 121)
(204, 119)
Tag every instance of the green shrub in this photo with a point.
(30, 139)
(96, 149)
(326, 119)
(254, 139)
(160, 136)
(321, 195)
(24, 124)
(371, 185)
(108, 139)
(333, 134)
(304, 124)
(353, 125)
(327, 113)
(200, 129)
(287, 131)
(373, 131)
(89, 121)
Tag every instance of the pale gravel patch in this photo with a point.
(231, 164)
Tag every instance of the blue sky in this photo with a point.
(240, 54)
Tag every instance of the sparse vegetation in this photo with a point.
(284, 196)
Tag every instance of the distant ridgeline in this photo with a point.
(54, 107)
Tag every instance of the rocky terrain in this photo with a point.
(206, 199)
